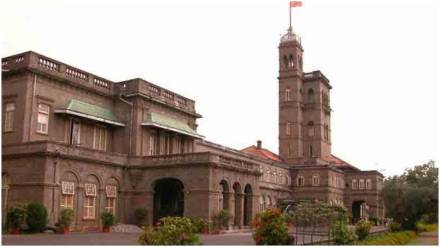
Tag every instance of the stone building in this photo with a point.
(72, 139)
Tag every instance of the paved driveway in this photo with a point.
(114, 238)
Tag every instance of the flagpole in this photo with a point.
(290, 18)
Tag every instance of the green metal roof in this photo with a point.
(86, 110)
(164, 122)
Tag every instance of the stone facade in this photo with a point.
(72, 139)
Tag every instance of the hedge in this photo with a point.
(393, 238)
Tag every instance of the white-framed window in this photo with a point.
(100, 138)
(9, 116)
(111, 194)
(354, 184)
(315, 180)
(89, 201)
(75, 132)
(300, 181)
(361, 184)
(67, 194)
(368, 184)
(43, 118)
(288, 128)
(287, 95)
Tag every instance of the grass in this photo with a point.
(392, 238)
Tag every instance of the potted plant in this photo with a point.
(108, 219)
(65, 220)
(15, 218)
(222, 219)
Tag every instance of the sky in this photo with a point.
(381, 57)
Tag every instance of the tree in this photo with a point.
(412, 195)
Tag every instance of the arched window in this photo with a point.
(287, 94)
(286, 62)
(311, 129)
(311, 95)
(291, 61)
(300, 60)
(310, 151)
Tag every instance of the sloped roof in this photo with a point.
(338, 162)
(171, 124)
(261, 152)
(90, 111)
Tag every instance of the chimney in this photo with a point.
(259, 144)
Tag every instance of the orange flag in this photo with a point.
(294, 4)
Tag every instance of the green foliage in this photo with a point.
(363, 229)
(15, 216)
(108, 219)
(199, 224)
(424, 227)
(36, 217)
(222, 218)
(412, 195)
(341, 234)
(66, 217)
(171, 231)
(271, 228)
(394, 227)
(141, 216)
(394, 238)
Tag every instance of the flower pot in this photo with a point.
(16, 231)
(65, 230)
(105, 229)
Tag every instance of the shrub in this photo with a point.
(341, 234)
(66, 217)
(15, 216)
(171, 231)
(374, 220)
(271, 228)
(108, 219)
(363, 229)
(222, 218)
(394, 227)
(141, 216)
(36, 218)
(423, 227)
(199, 224)
(393, 238)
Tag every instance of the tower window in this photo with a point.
(291, 150)
(310, 151)
(311, 129)
(300, 60)
(286, 62)
(288, 132)
(315, 180)
(287, 95)
(291, 61)
(311, 95)
(300, 181)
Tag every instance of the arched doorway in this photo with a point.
(238, 204)
(224, 196)
(168, 198)
(247, 216)
(358, 210)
